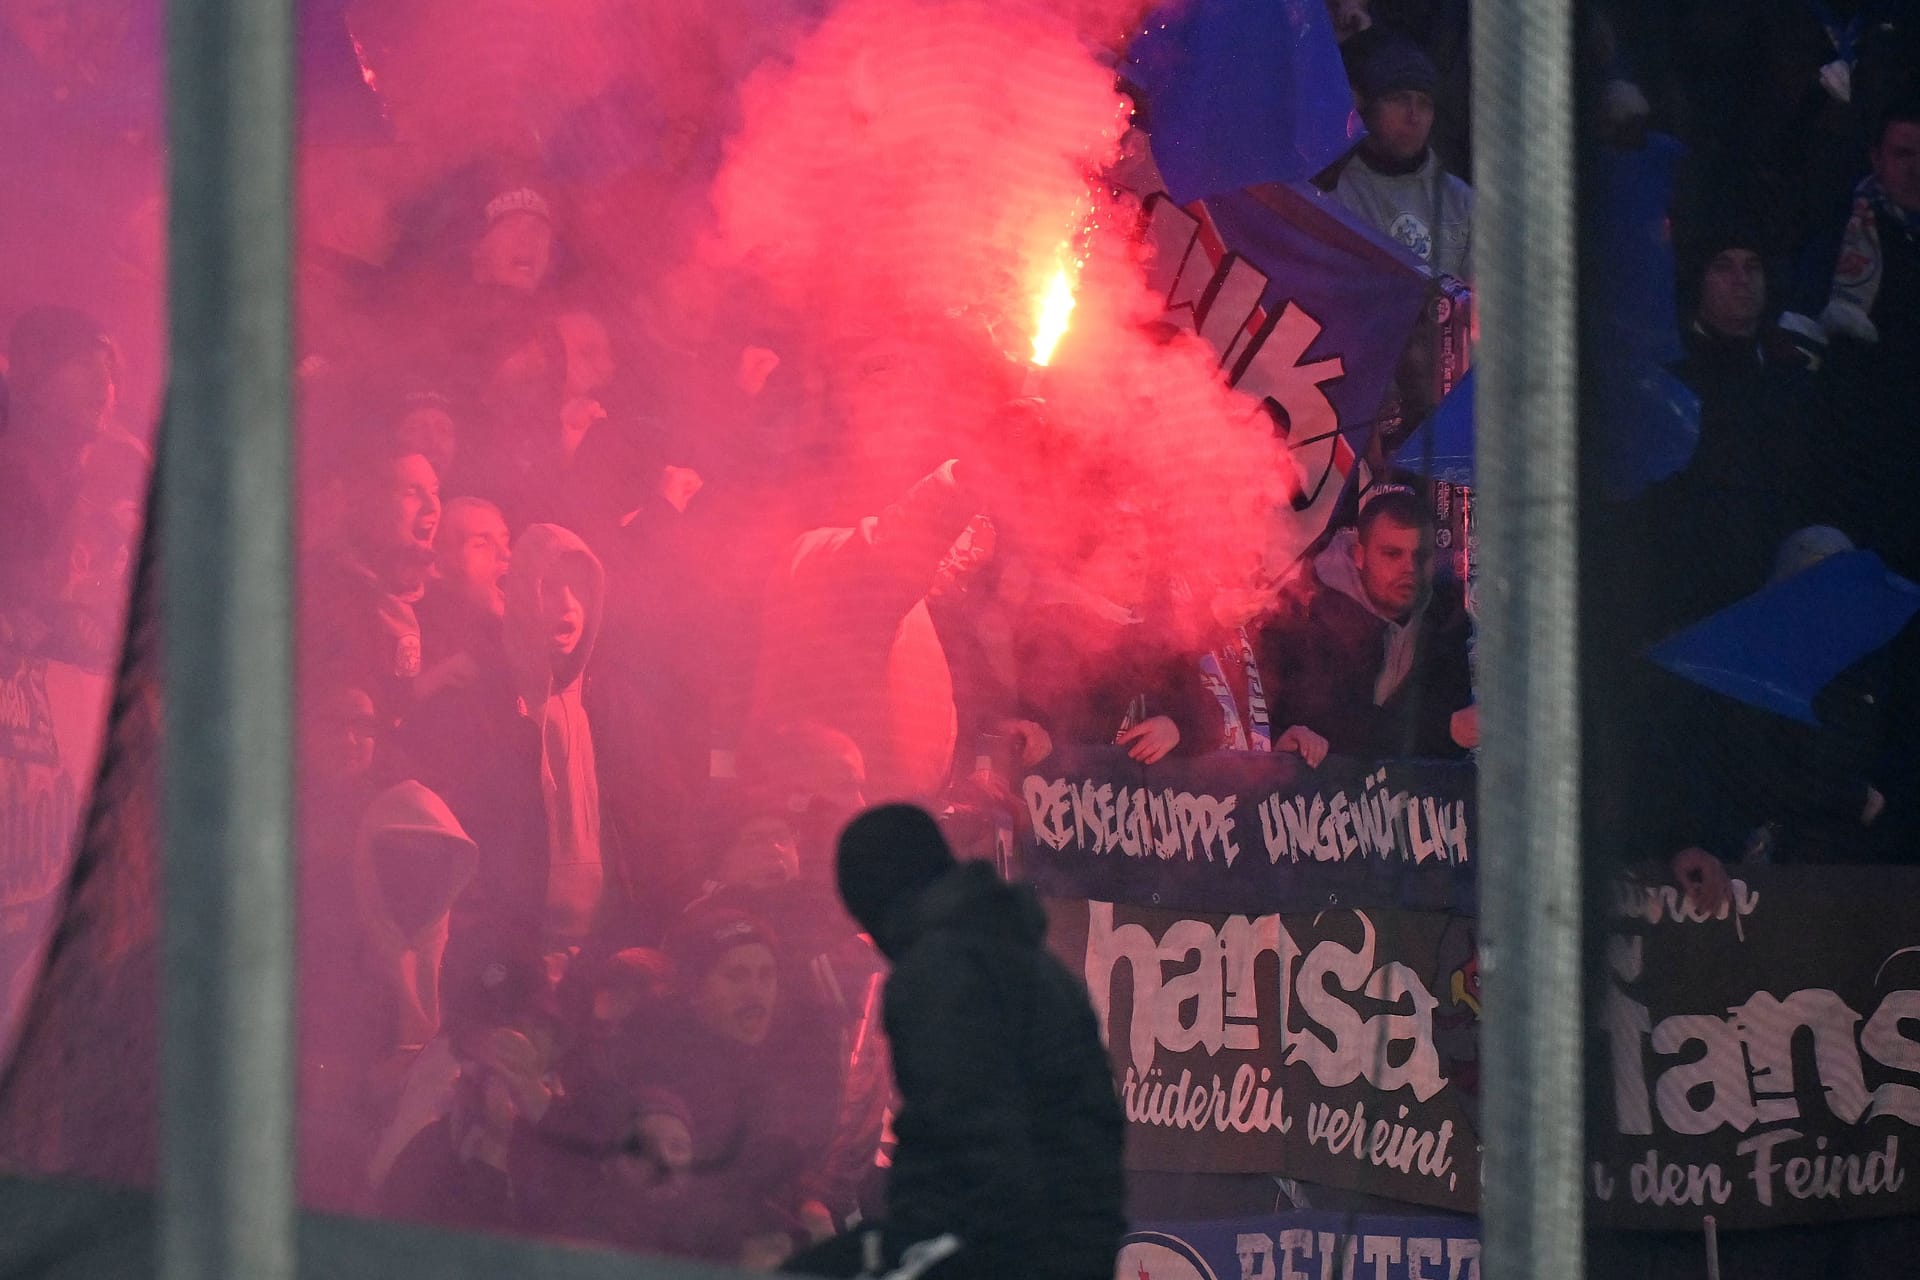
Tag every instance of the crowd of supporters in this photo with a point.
(591, 678)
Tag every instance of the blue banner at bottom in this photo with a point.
(1304, 1246)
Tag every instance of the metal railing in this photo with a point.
(1525, 438)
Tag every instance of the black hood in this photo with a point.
(973, 899)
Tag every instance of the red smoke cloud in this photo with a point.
(904, 190)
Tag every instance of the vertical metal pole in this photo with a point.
(227, 1134)
(1523, 142)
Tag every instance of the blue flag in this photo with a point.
(1241, 92)
(1309, 313)
(1780, 646)
(1363, 292)
(1441, 448)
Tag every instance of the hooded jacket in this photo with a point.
(511, 751)
(1009, 1131)
(373, 918)
(1370, 685)
(411, 861)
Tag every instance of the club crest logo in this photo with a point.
(1415, 234)
(1153, 1255)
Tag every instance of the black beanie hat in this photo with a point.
(1388, 62)
(703, 936)
(889, 854)
(1701, 245)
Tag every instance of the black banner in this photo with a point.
(1250, 831)
(1763, 1065)
(1338, 1047)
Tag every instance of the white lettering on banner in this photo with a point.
(51, 717)
(1820, 1176)
(1745, 1069)
(1267, 367)
(1381, 824)
(1739, 1070)
(1134, 821)
(1449, 1257)
(1219, 302)
(1260, 354)
(1256, 1255)
(1388, 1145)
(1652, 1182)
(1657, 903)
(39, 810)
(1297, 1241)
(1381, 1251)
(1337, 1251)
(1215, 978)
(1604, 1183)
(1246, 1107)
(1139, 822)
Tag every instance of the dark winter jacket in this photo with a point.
(1754, 478)
(358, 634)
(1009, 1130)
(509, 749)
(829, 1055)
(757, 1131)
(1081, 668)
(432, 1182)
(1323, 653)
(449, 626)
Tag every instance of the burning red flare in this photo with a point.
(1051, 311)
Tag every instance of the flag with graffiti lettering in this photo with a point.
(1761, 1063)
(1309, 311)
(1249, 831)
(1339, 1048)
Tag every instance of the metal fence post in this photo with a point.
(1523, 134)
(227, 1134)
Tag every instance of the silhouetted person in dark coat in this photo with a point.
(1009, 1132)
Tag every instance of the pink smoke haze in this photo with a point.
(906, 189)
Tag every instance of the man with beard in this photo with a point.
(466, 600)
(1367, 652)
(508, 745)
(360, 628)
(831, 976)
(726, 1051)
